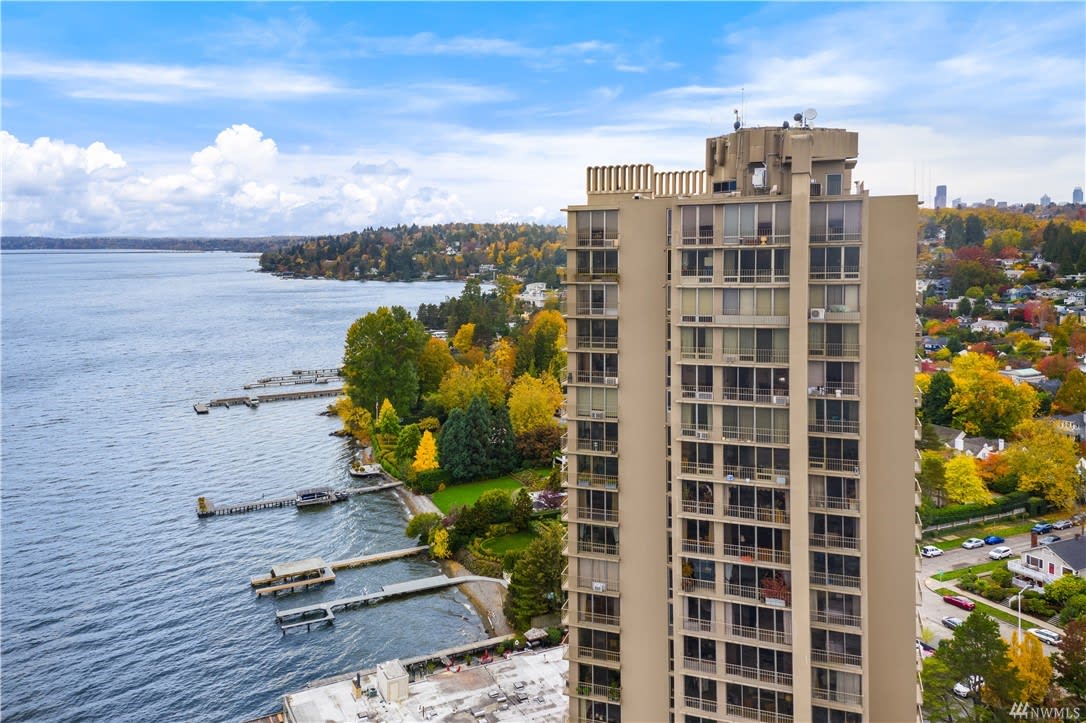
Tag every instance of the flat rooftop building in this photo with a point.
(740, 440)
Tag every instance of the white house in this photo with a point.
(1045, 563)
(990, 326)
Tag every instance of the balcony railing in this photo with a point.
(733, 318)
(836, 234)
(598, 690)
(763, 676)
(597, 548)
(834, 503)
(837, 696)
(830, 426)
(702, 468)
(834, 464)
(597, 445)
(591, 584)
(699, 665)
(604, 273)
(763, 635)
(767, 276)
(584, 413)
(762, 356)
(762, 514)
(833, 349)
(755, 474)
(690, 584)
(597, 239)
(696, 352)
(601, 481)
(694, 429)
(694, 391)
(840, 542)
(697, 508)
(834, 389)
(593, 310)
(763, 396)
(583, 377)
(699, 625)
(766, 239)
(610, 656)
(706, 704)
(596, 342)
(699, 547)
(822, 273)
(600, 514)
(761, 554)
(838, 658)
(830, 617)
(762, 716)
(835, 579)
(587, 616)
(763, 435)
(701, 272)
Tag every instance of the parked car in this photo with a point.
(993, 540)
(952, 622)
(973, 542)
(998, 553)
(930, 551)
(1048, 539)
(1062, 525)
(965, 689)
(958, 601)
(1045, 636)
(1041, 528)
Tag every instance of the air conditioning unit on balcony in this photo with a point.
(702, 435)
(818, 314)
(780, 399)
(705, 395)
(731, 358)
(599, 586)
(613, 381)
(597, 414)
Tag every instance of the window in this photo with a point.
(833, 184)
(723, 186)
(597, 228)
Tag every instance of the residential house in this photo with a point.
(1045, 563)
(989, 326)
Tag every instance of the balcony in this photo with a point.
(699, 665)
(836, 696)
(587, 616)
(597, 239)
(829, 617)
(699, 547)
(763, 435)
(829, 349)
(761, 396)
(694, 391)
(762, 676)
(706, 704)
(588, 653)
(826, 502)
(596, 342)
(598, 690)
(585, 413)
(697, 508)
(600, 514)
(699, 625)
(696, 352)
(836, 658)
(834, 273)
(735, 319)
(764, 276)
(593, 310)
(733, 472)
(610, 446)
(763, 635)
(598, 481)
(698, 468)
(834, 389)
(762, 554)
(761, 514)
(762, 716)
(589, 547)
(834, 464)
(833, 579)
(837, 234)
(831, 426)
(589, 584)
(600, 274)
(583, 377)
(752, 354)
(837, 542)
(765, 239)
(690, 584)
(692, 429)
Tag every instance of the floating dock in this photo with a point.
(324, 612)
(292, 576)
(207, 508)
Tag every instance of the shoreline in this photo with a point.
(487, 598)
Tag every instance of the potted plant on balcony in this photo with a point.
(688, 574)
(775, 590)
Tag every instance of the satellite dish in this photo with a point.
(798, 117)
(810, 114)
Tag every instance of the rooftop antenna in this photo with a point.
(809, 115)
(738, 123)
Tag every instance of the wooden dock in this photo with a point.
(378, 557)
(206, 508)
(324, 612)
(287, 577)
(277, 397)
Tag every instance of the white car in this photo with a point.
(998, 553)
(1045, 636)
(930, 551)
(1062, 525)
(972, 543)
(964, 689)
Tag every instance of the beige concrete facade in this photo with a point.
(740, 439)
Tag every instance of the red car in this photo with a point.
(959, 601)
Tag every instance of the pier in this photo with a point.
(325, 612)
(207, 508)
(276, 397)
(287, 577)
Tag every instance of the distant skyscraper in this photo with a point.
(1076, 195)
(956, 203)
(940, 197)
(1045, 200)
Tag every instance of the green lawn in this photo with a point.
(977, 569)
(466, 494)
(501, 545)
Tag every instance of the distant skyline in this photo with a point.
(239, 119)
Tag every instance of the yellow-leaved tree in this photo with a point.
(985, 402)
(434, 360)
(461, 384)
(439, 542)
(464, 338)
(963, 484)
(356, 420)
(1044, 459)
(426, 454)
(533, 402)
(504, 356)
(1032, 667)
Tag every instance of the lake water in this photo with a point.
(119, 604)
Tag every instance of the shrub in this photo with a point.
(1002, 577)
(554, 636)
(430, 481)
(1073, 609)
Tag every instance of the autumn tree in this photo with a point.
(388, 420)
(538, 446)
(963, 484)
(1056, 366)
(461, 384)
(986, 403)
(1031, 666)
(407, 442)
(380, 358)
(1044, 459)
(540, 346)
(1070, 662)
(533, 402)
(465, 338)
(504, 356)
(535, 587)
(426, 453)
(439, 543)
(977, 652)
(1071, 396)
(421, 524)
(507, 288)
(357, 421)
(434, 360)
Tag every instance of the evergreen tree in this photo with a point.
(535, 587)
(461, 448)
(406, 444)
(522, 510)
(503, 452)
(935, 406)
(1070, 661)
(380, 359)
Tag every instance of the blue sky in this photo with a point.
(251, 119)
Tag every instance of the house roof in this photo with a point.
(1072, 551)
